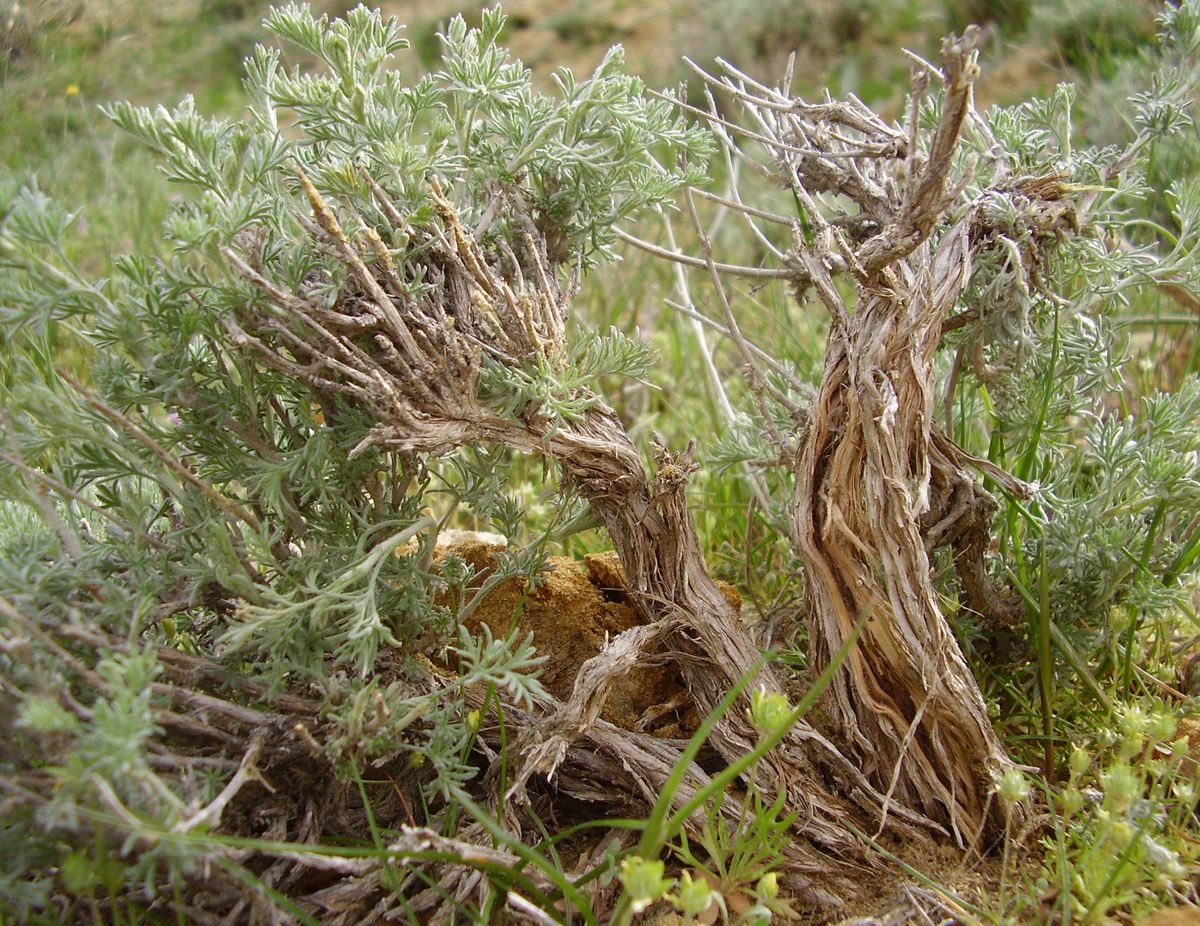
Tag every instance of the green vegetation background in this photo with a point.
(59, 61)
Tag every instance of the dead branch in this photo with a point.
(878, 488)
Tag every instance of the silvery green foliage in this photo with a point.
(581, 160)
(190, 496)
(564, 167)
(1044, 364)
(556, 396)
(1126, 532)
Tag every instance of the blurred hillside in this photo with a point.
(61, 59)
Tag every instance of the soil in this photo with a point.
(1173, 916)
(1190, 727)
(571, 610)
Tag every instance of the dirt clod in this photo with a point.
(573, 608)
(1173, 916)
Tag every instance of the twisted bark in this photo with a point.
(414, 362)
(877, 487)
(906, 703)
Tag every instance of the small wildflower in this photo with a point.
(1118, 620)
(768, 886)
(1071, 801)
(1134, 720)
(78, 872)
(1162, 727)
(473, 721)
(768, 712)
(644, 881)
(1120, 787)
(692, 897)
(1013, 787)
(72, 90)
(1134, 724)
(1079, 762)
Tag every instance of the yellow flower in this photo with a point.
(72, 90)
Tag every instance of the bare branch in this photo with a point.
(689, 261)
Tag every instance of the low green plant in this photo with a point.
(1120, 823)
(1094, 34)
(206, 503)
(737, 856)
(737, 853)
(209, 537)
(1010, 17)
(838, 44)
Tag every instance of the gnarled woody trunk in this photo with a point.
(906, 703)
(875, 484)
(655, 539)
(413, 362)
(412, 359)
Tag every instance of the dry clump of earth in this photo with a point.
(572, 609)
